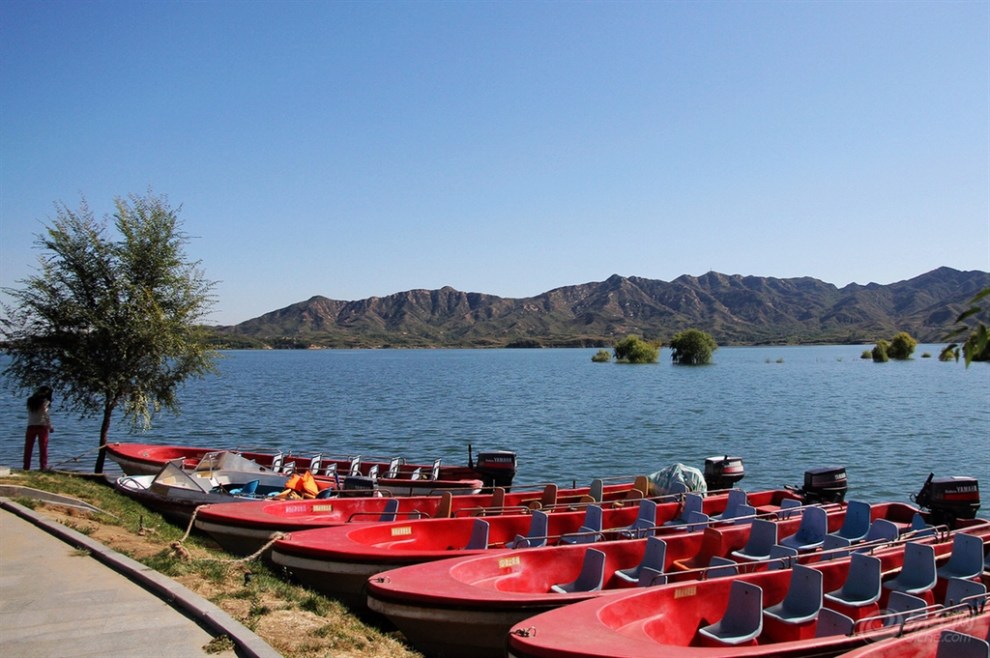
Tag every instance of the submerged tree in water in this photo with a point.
(633, 349)
(693, 347)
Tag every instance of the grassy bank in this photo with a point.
(295, 621)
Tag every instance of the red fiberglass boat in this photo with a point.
(339, 561)
(245, 527)
(467, 605)
(809, 610)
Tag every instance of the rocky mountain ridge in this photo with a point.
(735, 309)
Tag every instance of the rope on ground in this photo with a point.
(183, 553)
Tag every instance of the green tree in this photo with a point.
(111, 320)
(601, 356)
(973, 324)
(633, 349)
(901, 346)
(880, 354)
(693, 347)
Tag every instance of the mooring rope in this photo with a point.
(179, 548)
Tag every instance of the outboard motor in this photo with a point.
(495, 468)
(824, 485)
(722, 472)
(949, 498)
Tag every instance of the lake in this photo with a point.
(782, 409)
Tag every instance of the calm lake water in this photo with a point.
(782, 409)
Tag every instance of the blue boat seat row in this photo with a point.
(590, 579)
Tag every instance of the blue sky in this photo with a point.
(358, 149)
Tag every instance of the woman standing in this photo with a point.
(39, 425)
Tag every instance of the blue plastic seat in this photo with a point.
(743, 618)
(590, 579)
(969, 592)
(696, 521)
(831, 622)
(743, 514)
(734, 499)
(783, 557)
(789, 507)
(917, 574)
(812, 531)
(479, 535)
(881, 530)
(590, 531)
(719, 567)
(803, 600)
(953, 644)
(537, 534)
(862, 585)
(966, 560)
(762, 535)
(645, 523)
(903, 607)
(653, 559)
(920, 527)
(856, 523)
(390, 511)
(248, 489)
(692, 503)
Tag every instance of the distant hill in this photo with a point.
(734, 309)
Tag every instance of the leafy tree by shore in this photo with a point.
(693, 347)
(111, 321)
(976, 347)
(633, 349)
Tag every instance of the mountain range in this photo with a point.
(735, 309)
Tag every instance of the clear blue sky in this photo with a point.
(357, 149)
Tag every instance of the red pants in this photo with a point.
(39, 432)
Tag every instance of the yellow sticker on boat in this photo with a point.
(402, 530)
(685, 592)
(295, 509)
(508, 562)
(322, 508)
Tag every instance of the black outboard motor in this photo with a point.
(824, 485)
(722, 472)
(949, 498)
(495, 468)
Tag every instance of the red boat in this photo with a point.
(491, 469)
(245, 527)
(339, 561)
(467, 605)
(801, 611)
(964, 634)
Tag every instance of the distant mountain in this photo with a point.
(734, 309)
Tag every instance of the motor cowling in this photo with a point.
(949, 498)
(496, 468)
(827, 484)
(723, 472)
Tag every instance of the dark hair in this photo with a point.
(42, 395)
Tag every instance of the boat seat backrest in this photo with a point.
(831, 622)
(744, 514)
(697, 521)
(446, 507)
(811, 533)
(743, 618)
(597, 491)
(762, 535)
(692, 503)
(862, 585)
(435, 472)
(479, 535)
(856, 523)
(902, 607)
(289, 468)
(645, 523)
(918, 571)
(314, 464)
(803, 600)
(417, 473)
(790, 507)
(719, 567)
(677, 488)
(960, 590)
(966, 560)
(734, 499)
(592, 574)
(373, 472)
(953, 644)
(390, 511)
(537, 534)
(783, 557)
(355, 469)
(641, 485)
(277, 462)
(590, 531)
(882, 529)
(654, 556)
(549, 497)
(833, 545)
(393, 468)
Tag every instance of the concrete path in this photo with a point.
(57, 600)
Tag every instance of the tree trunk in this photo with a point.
(104, 432)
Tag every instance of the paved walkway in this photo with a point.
(56, 600)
